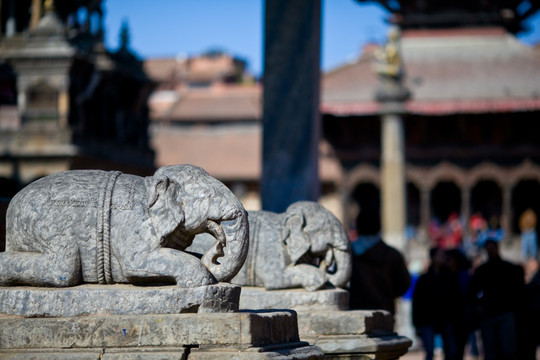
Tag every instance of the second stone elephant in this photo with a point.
(304, 247)
(91, 226)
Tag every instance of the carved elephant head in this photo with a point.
(182, 206)
(313, 235)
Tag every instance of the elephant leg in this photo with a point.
(168, 265)
(40, 269)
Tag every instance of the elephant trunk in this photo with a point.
(343, 267)
(225, 258)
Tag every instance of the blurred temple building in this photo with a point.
(65, 101)
(206, 110)
(470, 125)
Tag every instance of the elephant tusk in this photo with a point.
(214, 229)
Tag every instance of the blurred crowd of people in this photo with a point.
(469, 299)
(451, 235)
(454, 300)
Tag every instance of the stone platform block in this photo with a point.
(297, 299)
(324, 321)
(118, 299)
(241, 335)
(350, 322)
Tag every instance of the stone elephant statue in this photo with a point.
(304, 247)
(92, 226)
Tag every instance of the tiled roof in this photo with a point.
(219, 103)
(447, 72)
(165, 69)
(232, 152)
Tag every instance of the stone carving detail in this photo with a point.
(389, 68)
(389, 58)
(304, 247)
(91, 226)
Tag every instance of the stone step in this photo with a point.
(118, 299)
(240, 335)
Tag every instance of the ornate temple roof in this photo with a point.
(422, 14)
(447, 71)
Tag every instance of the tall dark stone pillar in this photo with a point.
(291, 119)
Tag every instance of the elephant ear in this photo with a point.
(296, 241)
(164, 207)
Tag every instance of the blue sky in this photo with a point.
(165, 28)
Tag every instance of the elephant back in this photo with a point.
(58, 209)
(73, 189)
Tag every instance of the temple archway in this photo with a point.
(525, 195)
(445, 200)
(486, 199)
(366, 197)
(413, 205)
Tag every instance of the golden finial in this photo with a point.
(48, 5)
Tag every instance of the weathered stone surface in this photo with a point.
(146, 354)
(353, 334)
(292, 351)
(386, 347)
(297, 299)
(305, 247)
(91, 354)
(297, 351)
(117, 299)
(242, 335)
(239, 330)
(339, 333)
(354, 322)
(91, 226)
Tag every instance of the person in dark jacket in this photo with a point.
(463, 325)
(379, 274)
(435, 305)
(529, 336)
(497, 290)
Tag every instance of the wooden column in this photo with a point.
(507, 210)
(291, 118)
(36, 13)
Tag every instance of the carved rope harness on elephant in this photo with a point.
(103, 235)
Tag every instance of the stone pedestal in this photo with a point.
(130, 322)
(323, 321)
(242, 335)
(393, 192)
(117, 299)
(297, 299)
